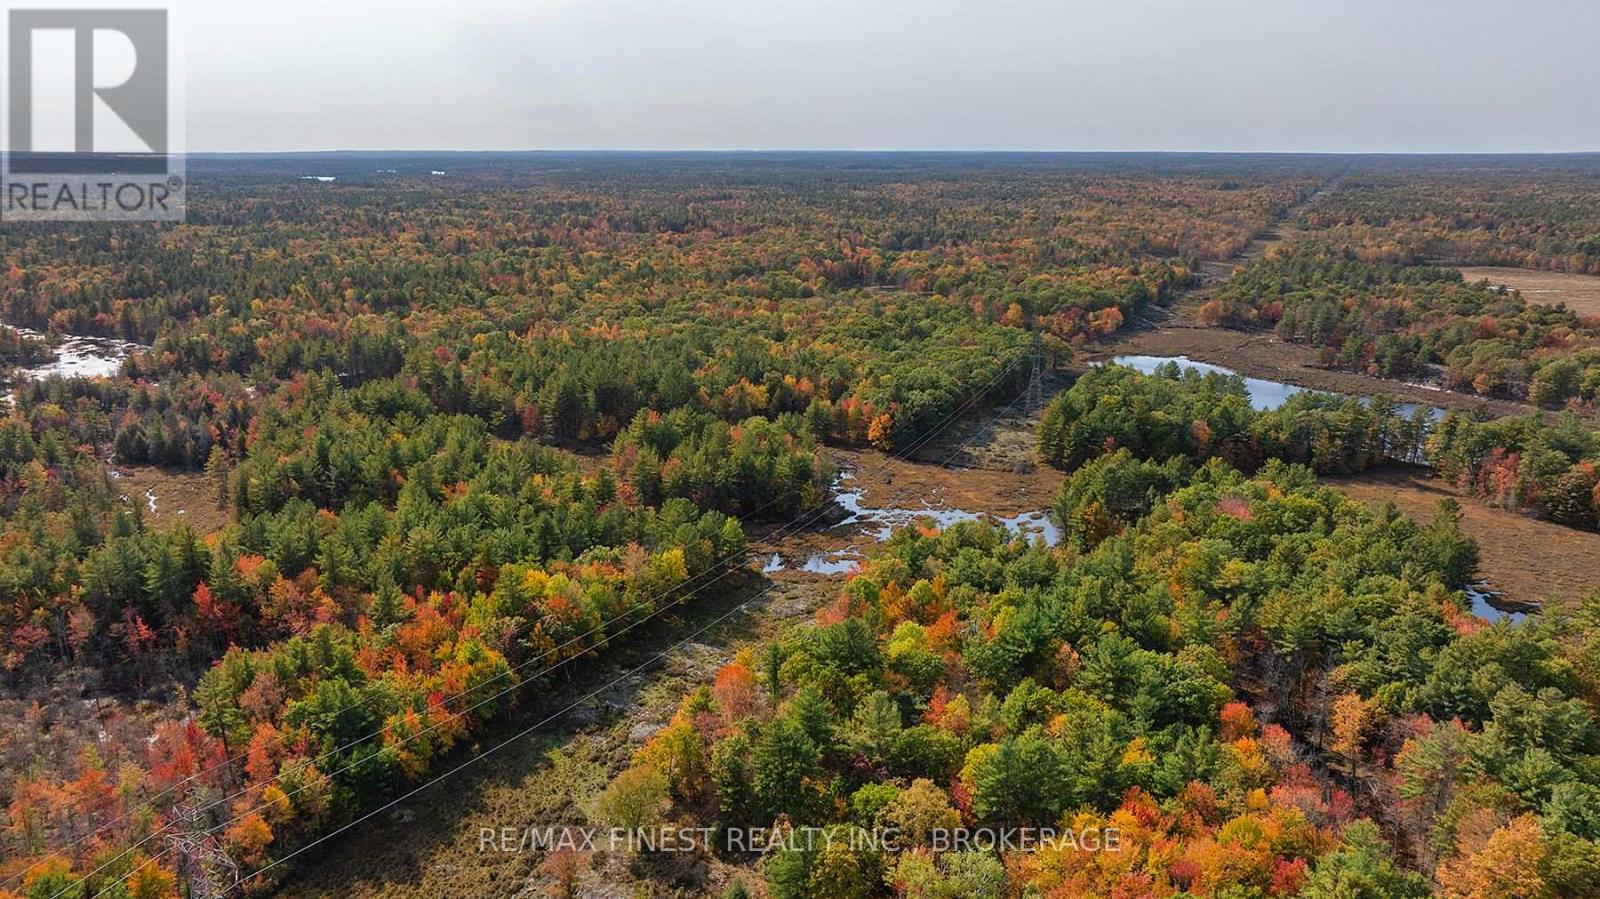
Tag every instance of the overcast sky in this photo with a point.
(1335, 75)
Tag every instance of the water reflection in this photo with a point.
(1264, 395)
(78, 356)
(879, 524)
(1491, 605)
(840, 561)
(883, 522)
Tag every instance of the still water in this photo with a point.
(79, 356)
(1264, 395)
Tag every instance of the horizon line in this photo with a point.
(881, 151)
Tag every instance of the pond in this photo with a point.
(78, 356)
(839, 561)
(1264, 395)
(883, 522)
(877, 524)
(1491, 605)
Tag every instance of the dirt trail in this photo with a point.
(997, 440)
(1214, 274)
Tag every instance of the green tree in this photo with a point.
(635, 799)
(785, 758)
(1363, 868)
(1017, 783)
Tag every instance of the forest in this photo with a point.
(1370, 277)
(1263, 687)
(1524, 212)
(964, 676)
(461, 435)
(467, 435)
(1412, 321)
(1526, 463)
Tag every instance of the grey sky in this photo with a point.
(1361, 75)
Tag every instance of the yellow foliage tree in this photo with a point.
(1507, 867)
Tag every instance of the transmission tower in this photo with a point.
(209, 871)
(1035, 400)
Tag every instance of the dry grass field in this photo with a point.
(1528, 559)
(178, 496)
(1581, 293)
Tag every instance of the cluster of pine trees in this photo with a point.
(1261, 686)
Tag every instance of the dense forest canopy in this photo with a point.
(1527, 212)
(465, 418)
(966, 676)
(383, 378)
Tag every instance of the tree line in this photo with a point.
(1523, 463)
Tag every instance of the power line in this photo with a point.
(498, 746)
(470, 761)
(807, 517)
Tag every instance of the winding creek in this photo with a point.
(1264, 395)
